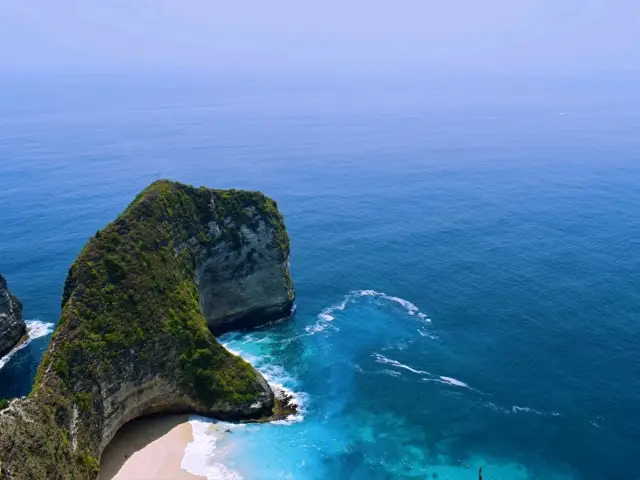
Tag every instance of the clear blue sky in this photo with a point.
(471, 36)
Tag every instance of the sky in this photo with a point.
(342, 36)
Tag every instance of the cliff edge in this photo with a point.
(134, 335)
(12, 326)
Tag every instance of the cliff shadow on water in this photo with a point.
(135, 332)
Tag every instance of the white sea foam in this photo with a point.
(299, 399)
(406, 304)
(424, 333)
(35, 329)
(327, 315)
(389, 361)
(450, 381)
(431, 377)
(200, 455)
(453, 381)
(252, 339)
(317, 327)
(278, 378)
(518, 409)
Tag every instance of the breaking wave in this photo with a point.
(388, 361)
(278, 379)
(200, 454)
(35, 329)
(327, 315)
(428, 377)
(453, 381)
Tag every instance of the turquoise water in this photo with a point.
(465, 254)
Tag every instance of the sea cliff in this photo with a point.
(134, 335)
(12, 326)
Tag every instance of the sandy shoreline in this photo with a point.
(149, 448)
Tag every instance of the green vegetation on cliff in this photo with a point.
(135, 279)
(131, 312)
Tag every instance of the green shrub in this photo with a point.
(130, 307)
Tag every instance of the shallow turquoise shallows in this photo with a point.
(466, 255)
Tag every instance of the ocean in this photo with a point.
(465, 251)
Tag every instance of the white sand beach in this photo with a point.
(149, 448)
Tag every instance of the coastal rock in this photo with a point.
(133, 337)
(12, 326)
(245, 282)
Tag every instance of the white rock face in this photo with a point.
(12, 326)
(244, 282)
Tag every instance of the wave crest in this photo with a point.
(389, 361)
(517, 409)
(327, 314)
(277, 378)
(199, 456)
(35, 329)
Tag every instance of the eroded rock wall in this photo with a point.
(133, 337)
(245, 282)
(12, 326)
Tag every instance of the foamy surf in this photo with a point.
(424, 333)
(277, 377)
(200, 456)
(518, 409)
(327, 315)
(35, 329)
(411, 308)
(453, 381)
(213, 449)
(389, 361)
(281, 382)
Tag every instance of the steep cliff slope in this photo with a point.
(132, 337)
(12, 326)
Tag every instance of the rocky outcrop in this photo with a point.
(133, 336)
(246, 282)
(12, 326)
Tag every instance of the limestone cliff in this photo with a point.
(132, 337)
(244, 282)
(12, 326)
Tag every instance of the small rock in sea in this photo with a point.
(228, 430)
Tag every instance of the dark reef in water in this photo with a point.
(134, 335)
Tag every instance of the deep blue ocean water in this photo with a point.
(466, 255)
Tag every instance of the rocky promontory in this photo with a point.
(12, 326)
(135, 332)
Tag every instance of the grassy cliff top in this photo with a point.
(135, 279)
(130, 308)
